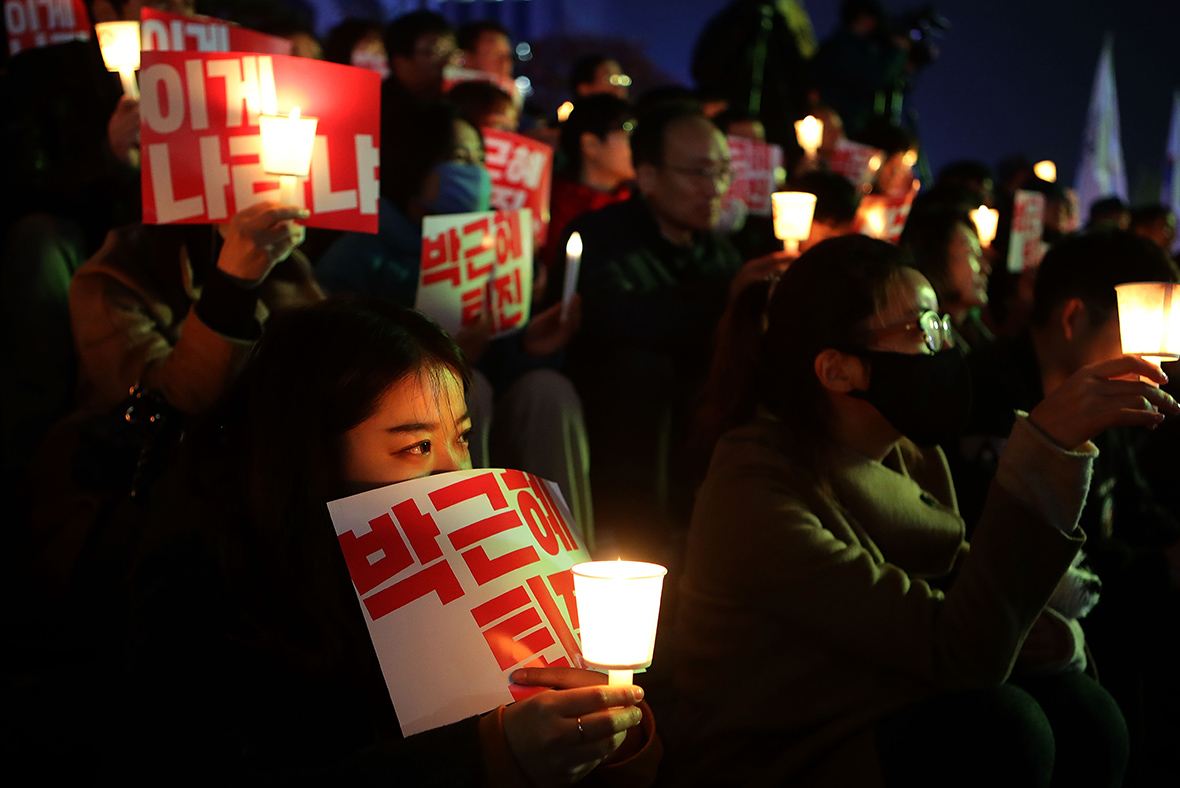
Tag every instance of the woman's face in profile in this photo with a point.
(419, 427)
(966, 268)
(895, 326)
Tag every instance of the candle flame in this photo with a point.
(563, 112)
(573, 247)
(875, 163)
(1046, 171)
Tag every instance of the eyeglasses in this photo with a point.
(936, 330)
(720, 173)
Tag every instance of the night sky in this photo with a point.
(1013, 76)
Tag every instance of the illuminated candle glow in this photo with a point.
(1149, 320)
(119, 42)
(875, 221)
(563, 112)
(810, 133)
(793, 212)
(1046, 171)
(287, 142)
(618, 609)
(987, 220)
(573, 262)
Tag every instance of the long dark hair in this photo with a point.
(927, 236)
(772, 332)
(270, 457)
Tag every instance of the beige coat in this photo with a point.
(804, 619)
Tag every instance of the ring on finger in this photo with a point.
(581, 730)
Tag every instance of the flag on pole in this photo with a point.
(1170, 193)
(1101, 172)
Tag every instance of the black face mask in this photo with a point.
(925, 397)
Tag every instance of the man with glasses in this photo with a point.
(419, 45)
(654, 281)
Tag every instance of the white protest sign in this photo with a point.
(1028, 224)
(463, 577)
(756, 168)
(476, 262)
(858, 163)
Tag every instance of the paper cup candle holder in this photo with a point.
(287, 141)
(793, 212)
(987, 221)
(1149, 320)
(119, 42)
(618, 607)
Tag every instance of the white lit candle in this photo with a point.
(573, 262)
(618, 609)
(1046, 171)
(793, 212)
(1149, 320)
(563, 112)
(810, 133)
(287, 141)
(119, 42)
(874, 222)
(987, 220)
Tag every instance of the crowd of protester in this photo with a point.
(919, 510)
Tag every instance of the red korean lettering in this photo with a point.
(420, 529)
(480, 250)
(442, 253)
(497, 150)
(516, 639)
(552, 614)
(538, 522)
(563, 586)
(438, 578)
(375, 557)
(484, 484)
(484, 568)
(473, 307)
(508, 240)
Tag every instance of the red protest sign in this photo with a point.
(165, 32)
(473, 263)
(200, 137)
(463, 577)
(522, 176)
(1028, 223)
(32, 24)
(858, 163)
(756, 168)
(882, 216)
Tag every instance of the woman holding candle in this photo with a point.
(253, 650)
(882, 648)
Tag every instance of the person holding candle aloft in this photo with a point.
(252, 654)
(1133, 534)
(881, 646)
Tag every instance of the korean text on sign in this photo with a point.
(756, 169)
(201, 143)
(1028, 224)
(521, 170)
(32, 24)
(463, 577)
(476, 263)
(883, 217)
(160, 30)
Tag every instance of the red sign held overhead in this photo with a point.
(522, 177)
(32, 24)
(165, 32)
(200, 136)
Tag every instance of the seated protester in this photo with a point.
(251, 655)
(752, 235)
(1109, 212)
(157, 307)
(836, 203)
(945, 246)
(484, 105)
(595, 144)
(433, 164)
(597, 73)
(896, 174)
(1156, 223)
(357, 42)
(485, 45)
(827, 557)
(654, 279)
(1133, 544)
